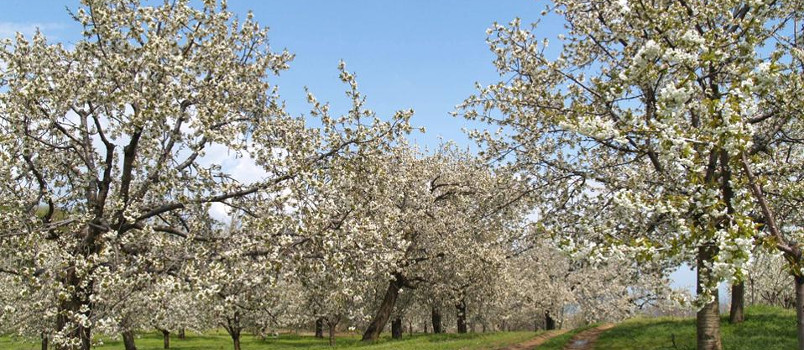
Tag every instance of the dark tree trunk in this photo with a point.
(182, 334)
(319, 328)
(436, 319)
(236, 342)
(396, 328)
(410, 327)
(799, 282)
(461, 315)
(166, 338)
(332, 326)
(233, 328)
(738, 288)
(46, 341)
(128, 340)
(384, 312)
(736, 313)
(78, 301)
(707, 321)
(549, 322)
(425, 327)
(79, 295)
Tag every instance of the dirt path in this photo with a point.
(586, 340)
(538, 340)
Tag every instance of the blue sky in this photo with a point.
(424, 54)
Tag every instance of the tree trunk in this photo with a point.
(233, 327)
(80, 289)
(319, 328)
(332, 326)
(396, 328)
(166, 338)
(46, 340)
(549, 322)
(384, 312)
(410, 327)
(425, 327)
(737, 288)
(128, 340)
(461, 315)
(182, 334)
(236, 341)
(799, 282)
(708, 318)
(436, 319)
(736, 314)
(78, 296)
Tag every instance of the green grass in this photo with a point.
(558, 342)
(764, 328)
(221, 341)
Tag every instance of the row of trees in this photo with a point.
(663, 133)
(665, 130)
(108, 150)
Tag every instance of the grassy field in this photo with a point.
(221, 341)
(764, 328)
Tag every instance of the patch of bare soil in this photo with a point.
(536, 341)
(586, 340)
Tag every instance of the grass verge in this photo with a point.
(764, 328)
(221, 341)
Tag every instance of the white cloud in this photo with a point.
(220, 212)
(246, 170)
(240, 166)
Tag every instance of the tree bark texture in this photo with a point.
(46, 341)
(736, 313)
(332, 326)
(436, 320)
(384, 311)
(80, 290)
(319, 328)
(233, 328)
(396, 328)
(166, 338)
(460, 309)
(708, 318)
(799, 283)
(79, 296)
(549, 322)
(128, 340)
(236, 342)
